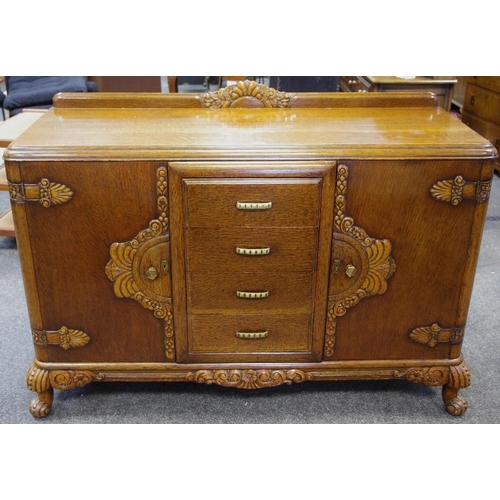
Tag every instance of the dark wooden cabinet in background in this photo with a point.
(441, 87)
(481, 109)
(248, 238)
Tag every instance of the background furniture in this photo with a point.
(442, 88)
(10, 129)
(6, 222)
(126, 83)
(38, 91)
(236, 249)
(481, 110)
(305, 83)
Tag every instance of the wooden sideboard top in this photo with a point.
(370, 129)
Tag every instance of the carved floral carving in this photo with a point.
(120, 269)
(248, 379)
(227, 97)
(41, 380)
(68, 379)
(64, 337)
(380, 264)
(433, 376)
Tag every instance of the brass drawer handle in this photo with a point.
(252, 335)
(252, 295)
(253, 206)
(253, 251)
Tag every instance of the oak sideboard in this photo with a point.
(248, 238)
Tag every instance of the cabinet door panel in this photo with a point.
(70, 247)
(430, 242)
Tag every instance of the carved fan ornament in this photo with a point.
(64, 337)
(376, 255)
(121, 269)
(46, 192)
(456, 190)
(253, 93)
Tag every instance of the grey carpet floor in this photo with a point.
(358, 402)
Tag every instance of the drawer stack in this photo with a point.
(251, 258)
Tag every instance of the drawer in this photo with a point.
(486, 129)
(482, 103)
(261, 202)
(258, 293)
(214, 249)
(487, 82)
(218, 334)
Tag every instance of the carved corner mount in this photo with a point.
(431, 335)
(249, 378)
(41, 380)
(64, 337)
(46, 192)
(454, 191)
(260, 95)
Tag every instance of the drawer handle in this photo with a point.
(253, 206)
(252, 295)
(252, 335)
(253, 251)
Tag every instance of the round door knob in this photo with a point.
(151, 273)
(350, 271)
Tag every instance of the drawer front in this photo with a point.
(487, 82)
(251, 202)
(482, 103)
(218, 334)
(213, 250)
(249, 293)
(486, 129)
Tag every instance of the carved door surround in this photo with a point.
(132, 277)
(360, 266)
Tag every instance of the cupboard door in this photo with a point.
(85, 227)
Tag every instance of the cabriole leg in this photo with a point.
(37, 380)
(459, 378)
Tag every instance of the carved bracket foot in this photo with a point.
(452, 378)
